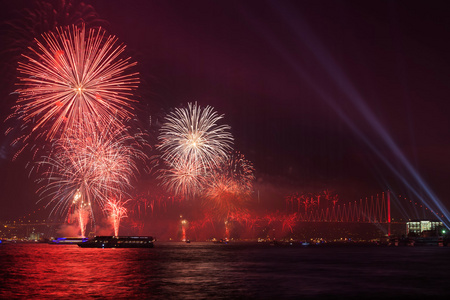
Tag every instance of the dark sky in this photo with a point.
(351, 95)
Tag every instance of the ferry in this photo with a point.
(119, 242)
(68, 241)
(221, 241)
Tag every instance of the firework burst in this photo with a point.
(193, 135)
(88, 166)
(74, 77)
(182, 178)
(229, 185)
(241, 170)
(33, 20)
(192, 143)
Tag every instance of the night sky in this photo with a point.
(347, 95)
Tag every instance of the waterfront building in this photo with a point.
(417, 227)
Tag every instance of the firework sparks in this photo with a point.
(32, 21)
(184, 224)
(82, 211)
(182, 178)
(74, 77)
(88, 166)
(117, 211)
(191, 143)
(241, 170)
(193, 135)
(229, 185)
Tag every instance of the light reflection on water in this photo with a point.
(205, 270)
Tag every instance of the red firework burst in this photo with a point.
(73, 77)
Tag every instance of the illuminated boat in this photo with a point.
(68, 241)
(221, 241)
(119, 242)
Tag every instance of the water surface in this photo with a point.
(223, 271)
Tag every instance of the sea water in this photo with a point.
(223, 271)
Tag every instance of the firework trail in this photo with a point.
(117, 211)
(73, 77)
(191, 143)
(184, 225)
(82, 211)
(88, 166)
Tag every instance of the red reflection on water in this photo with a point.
(56, 271)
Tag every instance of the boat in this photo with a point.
(221, 241)
(119, 242)
(68, 241)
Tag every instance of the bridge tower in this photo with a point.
(389, 211)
